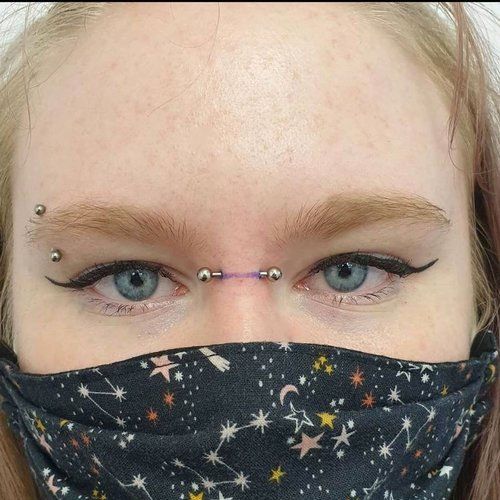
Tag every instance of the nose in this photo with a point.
(243, 307)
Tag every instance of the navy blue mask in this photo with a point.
(254, 420)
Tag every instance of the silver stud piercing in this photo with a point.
(55, 255)
(40, 209)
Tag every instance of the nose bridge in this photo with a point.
(243, 309)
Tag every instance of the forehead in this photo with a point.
(274, 100)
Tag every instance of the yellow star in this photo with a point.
(95, 493)
(276, 474)
(329, 369)
(322, 359)
(316, 365)
(39, 425)
(444, 392)
(326, 419)
(103, 497)
(199, 496)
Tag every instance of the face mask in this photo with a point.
(253, 420)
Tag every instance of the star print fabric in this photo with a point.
(252, 420)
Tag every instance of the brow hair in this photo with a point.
(346, 211)
(322, 220)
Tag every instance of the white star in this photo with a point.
(212, 457)
(194, 486)
(130, 437)
(70, 426)
(432, 414)
(343, 437)
(46, 472)
(426, 367)
(384, 451)
(138, 481)
(178, 376)
(259, 422)
(229, 431)
(84, 391)
(64, 490)
(119, 393)
(445, 471)
(144, 364)
(406, 422)
(290, 440)
(340, 453)
(122, 444)
(242, 481)
(208, 484)
(120, 421)
(425, 378)
(302, 379)
(285, 346)
(350, 424)
(394, 395)
(304, 420)
(178, 463)
(341, 401)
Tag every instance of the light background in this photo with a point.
(492, 30)
(7, 30)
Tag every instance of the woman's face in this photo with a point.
(299, 133)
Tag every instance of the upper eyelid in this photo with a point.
(101, 269)
(107, 269)
(395, 264)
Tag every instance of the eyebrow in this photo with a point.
(322, 220)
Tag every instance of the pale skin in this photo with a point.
(291, 105)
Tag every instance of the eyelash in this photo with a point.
(392, 265)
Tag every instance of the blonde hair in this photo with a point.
(449, 47)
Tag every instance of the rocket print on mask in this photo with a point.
(254, 420)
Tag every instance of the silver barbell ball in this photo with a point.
(55, 255)
(204, 274)
(40, 209)
(274, 273)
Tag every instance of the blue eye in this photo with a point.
(136, 284)
(346, 277)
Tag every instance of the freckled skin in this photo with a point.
(293, 102)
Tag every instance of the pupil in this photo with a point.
(345, 270)
(136, 279)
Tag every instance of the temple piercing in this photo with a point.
(204, 274)
(55, 253)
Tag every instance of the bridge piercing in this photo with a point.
(272, 274)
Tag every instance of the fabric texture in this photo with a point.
(251, 420)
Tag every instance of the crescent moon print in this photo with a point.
(285, 390)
